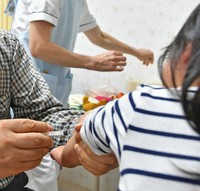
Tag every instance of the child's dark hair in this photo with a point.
(189, 33)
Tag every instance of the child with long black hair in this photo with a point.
(153, 131)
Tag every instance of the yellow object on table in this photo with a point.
(88, 105)
(76, 101)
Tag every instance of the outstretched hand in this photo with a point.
(108, 61)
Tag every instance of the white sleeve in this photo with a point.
(87, 21)
(46, 10)
(93, 133)
(105, 127)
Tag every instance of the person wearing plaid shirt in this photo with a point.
(24, 90)
(35, 110)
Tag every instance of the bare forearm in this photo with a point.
(55, 54)
(52, 53)
(110, 43)
(106, 41)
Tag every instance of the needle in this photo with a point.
(67, 132)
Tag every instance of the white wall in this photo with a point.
(140, 23)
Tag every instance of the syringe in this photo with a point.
(68, 132)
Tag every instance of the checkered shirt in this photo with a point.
(24, 90)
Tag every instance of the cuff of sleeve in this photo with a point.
(87, 26)
(43, 17)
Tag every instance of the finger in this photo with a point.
(118, 64)
(78, 138)
(32, 140)
(56, 154)
(95, 172)
(87, 162)
(30, 164)
(32, 154)
(78, 128)
(151, 60)
(114, 66)
(17, 167)
(113, 69)
(117, 68)
(116, 53)
(26, 125)
(25, 155)
(96, 168)
(146, 63)
(121, 59)
(86, 151)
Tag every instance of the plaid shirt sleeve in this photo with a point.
(28, 93)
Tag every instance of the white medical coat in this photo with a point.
(69, 17)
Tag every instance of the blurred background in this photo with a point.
(140, 23)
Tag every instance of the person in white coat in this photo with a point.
(48, 30)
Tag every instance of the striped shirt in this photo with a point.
(156, 148)
(24, 90)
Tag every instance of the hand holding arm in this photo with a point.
(96, 164)
(76, 152)
(22, 145)
(72, 155)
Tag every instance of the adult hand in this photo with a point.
(76, 152)
(96, 164)
(108, 61)
(146, 56)
(22, 145)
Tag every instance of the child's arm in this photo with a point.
(66, 155)
(69, 157)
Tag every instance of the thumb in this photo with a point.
(56, 154)
(78, 128)
(78, 138)
(26, 125)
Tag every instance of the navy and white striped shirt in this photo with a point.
(156, 148)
